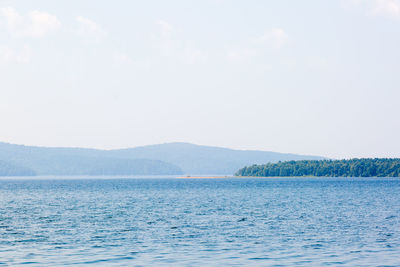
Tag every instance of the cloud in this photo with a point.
(120, 58)
(389, 8)
(192, 55)
(8, 55)
(384, 8)
(163, 40)
(316, 62)
(42, 23)
(275, 37)
(89, 30)
(351, 3)
(165, 28)
(174, 48)
(35, 24)
(240, 54)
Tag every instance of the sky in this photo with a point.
(310, 77)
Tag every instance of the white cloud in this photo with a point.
(193, 56)
(165, 28)
(34, 24)
(8, 55)
(240, 54)
(89, 30)
(13, 19)
(42, 23)
(120, 58)
(173, 48)
(385, 8)
(275, 37)
(351, 3)
(316, 62)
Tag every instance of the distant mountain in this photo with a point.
(167, 159)
(79, 161)
(196, 159)
(9, 169)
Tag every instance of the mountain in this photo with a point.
(9, 169)
(205, 160)
(80, 161)
(170, 158)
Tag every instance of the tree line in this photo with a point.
(368, 167)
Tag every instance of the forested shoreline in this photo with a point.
(368, 167)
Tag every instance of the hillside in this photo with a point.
(78, 161)
(171, 158)
(196, 159)
(8, 169)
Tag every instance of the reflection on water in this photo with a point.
(286, 221)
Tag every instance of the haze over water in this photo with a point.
(285, 221)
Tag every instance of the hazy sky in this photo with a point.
(311, 77)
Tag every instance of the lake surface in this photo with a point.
(257, 222)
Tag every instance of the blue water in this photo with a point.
(257, 222)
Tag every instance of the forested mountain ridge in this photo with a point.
(207, 160)
(9, 169)
(366, 167)
(79, 161)
(170, 158)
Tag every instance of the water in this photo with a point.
(257, 222)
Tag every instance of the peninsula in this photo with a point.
(365, 167)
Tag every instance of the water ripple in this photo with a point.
(121, 222)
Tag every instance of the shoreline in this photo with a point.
(206, 177)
